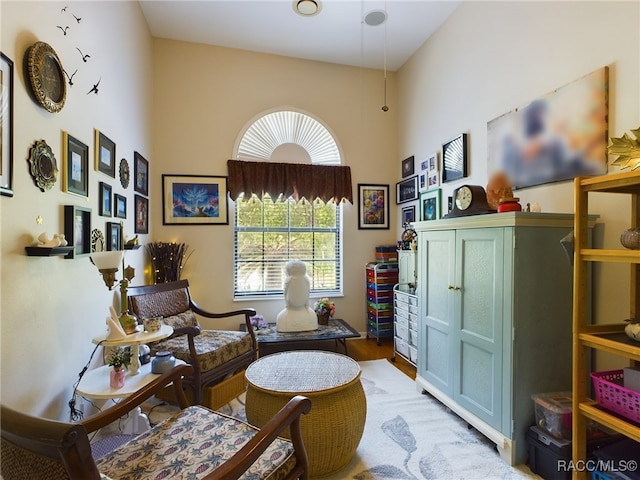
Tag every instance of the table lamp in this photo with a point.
(107, 264)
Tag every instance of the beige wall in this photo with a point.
(51, 307)
(183, 105)
(195, 131)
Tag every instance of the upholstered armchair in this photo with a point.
(194, 443)
(214, 354)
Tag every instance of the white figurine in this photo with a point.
(297, 316)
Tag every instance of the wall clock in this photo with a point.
(469, 200)
(46, 77)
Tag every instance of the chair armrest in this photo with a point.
(191, 331)
(289, 415)
(125, 406)
(247, 312)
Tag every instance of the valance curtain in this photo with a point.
(327, 182)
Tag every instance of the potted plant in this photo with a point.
(119, 359)
(324, 309)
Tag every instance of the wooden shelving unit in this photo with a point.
(587, 335)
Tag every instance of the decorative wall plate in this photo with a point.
(43, 167)
(125, 173)
(97, 241)
(46, 77)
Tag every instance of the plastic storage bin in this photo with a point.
(550, 457)
(553, 413)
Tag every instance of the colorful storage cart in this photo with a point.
(381, 277)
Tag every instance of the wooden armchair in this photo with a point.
(194, 443)
(214, 354)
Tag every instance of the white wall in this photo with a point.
(491, 57)
(52, 307)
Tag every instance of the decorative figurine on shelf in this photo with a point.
(297, 316)
(499, 187)
(119, 359)
(408, 237)
(58, 240)
(632, 329)
(116, 332)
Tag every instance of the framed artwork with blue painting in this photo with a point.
(194, 200)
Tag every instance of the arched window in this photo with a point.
(271, 231)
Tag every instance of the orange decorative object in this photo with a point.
(509, 205)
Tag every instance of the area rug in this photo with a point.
(410, 436)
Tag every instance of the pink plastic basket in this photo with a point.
(611, 395)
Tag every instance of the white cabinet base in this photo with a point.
(504, 445)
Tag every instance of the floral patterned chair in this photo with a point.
(195, 443)
(214, 354)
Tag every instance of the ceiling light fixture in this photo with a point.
(375, 18)
(385, 108)
(307, 8)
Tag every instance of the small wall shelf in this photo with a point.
(47, 251)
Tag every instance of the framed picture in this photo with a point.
(544, 141)
(77, 230)
(408, 167)
(408, 214)
(105, 154)
(429, 177)
(75, 166)
(105, 200)
(114, 236)
(373, 206)
(430, 204)
(6, 125)
(194, 200)
(142, 214)
(454, 159)
(140, 174)
(120, 205)
(407, 190)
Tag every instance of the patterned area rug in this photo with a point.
(409, 436)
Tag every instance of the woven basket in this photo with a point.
(611, 395)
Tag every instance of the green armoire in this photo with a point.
(494, 326)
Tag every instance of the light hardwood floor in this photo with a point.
(362, 349)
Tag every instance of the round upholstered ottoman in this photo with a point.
(333, 429)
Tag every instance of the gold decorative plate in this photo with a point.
(46, 77)
(42, 165)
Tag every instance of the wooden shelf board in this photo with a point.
(611, 256)
(624, 182)
(593, 411)
(616, 343)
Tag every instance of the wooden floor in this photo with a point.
(361, 349)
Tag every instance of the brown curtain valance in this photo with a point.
(327, 182)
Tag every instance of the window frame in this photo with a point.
(277, 293)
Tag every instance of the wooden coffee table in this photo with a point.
(338, 331)
(332, 430)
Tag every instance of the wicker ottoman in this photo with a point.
(333, 428)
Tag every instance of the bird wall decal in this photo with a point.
(64, 30)
(77, 18)
(84, 57)
(94, 89)
(70, 78)
(63, 9)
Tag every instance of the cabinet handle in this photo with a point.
(453, 287)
